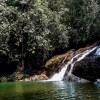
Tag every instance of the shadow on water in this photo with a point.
(49, 91)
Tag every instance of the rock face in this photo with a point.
(35, 78)
(55, 64)
(88, 68)
(3, 62)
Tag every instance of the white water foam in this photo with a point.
(98, 52)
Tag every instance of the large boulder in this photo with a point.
(88, 68)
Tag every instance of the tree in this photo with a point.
(31, 31)
(81, 20)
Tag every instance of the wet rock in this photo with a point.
(55, 64)
(88, 68)
(36, 78)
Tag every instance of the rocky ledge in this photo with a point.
(35, 78)
(88, 68)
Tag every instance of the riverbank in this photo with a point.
(54, 65)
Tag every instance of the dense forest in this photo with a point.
(32, 31)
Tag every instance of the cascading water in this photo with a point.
(97, 51)
(59, 76)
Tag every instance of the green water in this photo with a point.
(49, 91)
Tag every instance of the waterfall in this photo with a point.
(59, 76)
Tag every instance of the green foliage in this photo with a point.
(3, 79)
(82, 20)
(31, 31)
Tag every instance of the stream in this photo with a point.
(61, 90)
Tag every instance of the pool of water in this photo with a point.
(49, 91)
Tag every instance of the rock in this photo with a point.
(83, 71)
(88, 68)
(55, 64)
(36, 78)
(26, 79)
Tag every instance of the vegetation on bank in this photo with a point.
(32, 31)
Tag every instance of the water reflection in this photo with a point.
(66, 90)
(49, 91)
(19, 90)
(76, 91)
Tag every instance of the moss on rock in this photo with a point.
(56, 63)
